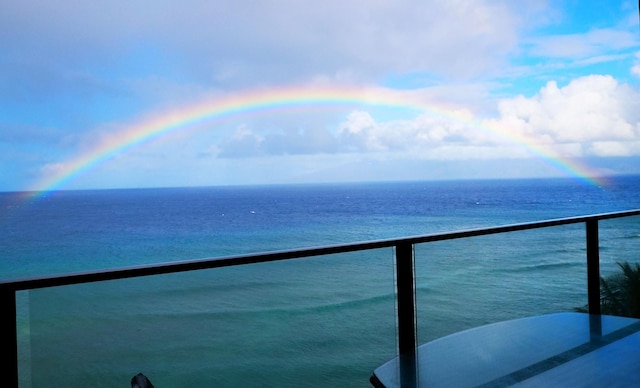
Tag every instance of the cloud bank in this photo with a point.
(591, 116)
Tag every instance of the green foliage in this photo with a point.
(620, 292)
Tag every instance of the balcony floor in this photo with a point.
(563, 349)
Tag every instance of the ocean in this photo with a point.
(324, 321)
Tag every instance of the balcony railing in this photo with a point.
(404, 279)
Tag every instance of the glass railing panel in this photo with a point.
(470, 282)
(23, 338)
(322, 321)
(620, 266)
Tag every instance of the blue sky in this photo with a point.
(564, 75)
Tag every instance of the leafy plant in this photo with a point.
(620, 292)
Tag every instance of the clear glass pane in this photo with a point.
(324, 321)
(470, 282)
(24, 338)
(620, 266)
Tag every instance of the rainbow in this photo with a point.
(256, 101)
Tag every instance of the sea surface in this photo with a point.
(324, 321)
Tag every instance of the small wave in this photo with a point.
(239, 311)
(542, 267)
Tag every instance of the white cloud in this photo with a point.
(591, 116)
(423, 135)
(272, 40)
(359, 133)
(593, 111)
(243, 143)
(447, 135)
(614, 148)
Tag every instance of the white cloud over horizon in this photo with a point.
(596, 112)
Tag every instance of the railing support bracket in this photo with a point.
(405, 287)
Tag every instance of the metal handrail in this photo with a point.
(404, 274)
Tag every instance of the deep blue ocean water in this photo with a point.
(326, 321)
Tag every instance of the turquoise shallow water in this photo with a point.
(326, 321)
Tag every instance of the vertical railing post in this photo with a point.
(593, 278)
(9, 335)
(405, 287)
